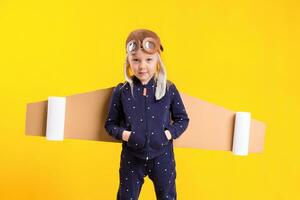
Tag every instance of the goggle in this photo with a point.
(149, 44)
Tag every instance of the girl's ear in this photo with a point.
(157, 67)
(128, 69)
(157, 70)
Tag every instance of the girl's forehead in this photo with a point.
(141, 54)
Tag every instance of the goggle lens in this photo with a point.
(148, 44)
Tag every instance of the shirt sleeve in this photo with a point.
(178, 114)
(114, 117)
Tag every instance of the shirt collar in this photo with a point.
(137, 81)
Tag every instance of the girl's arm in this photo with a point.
(112, 123)
(178, 114)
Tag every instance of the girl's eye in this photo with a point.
(135, 60)
(149, 59)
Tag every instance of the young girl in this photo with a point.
(139, 116)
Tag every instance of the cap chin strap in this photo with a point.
(161, 80)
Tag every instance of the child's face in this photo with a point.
(143, 65)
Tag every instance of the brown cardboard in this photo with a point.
(211, 127)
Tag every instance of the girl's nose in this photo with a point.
(143, 65)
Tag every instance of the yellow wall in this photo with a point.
(243, 55)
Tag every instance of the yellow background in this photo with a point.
(243, 55)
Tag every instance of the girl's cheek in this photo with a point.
(134, 66)
(153, 66)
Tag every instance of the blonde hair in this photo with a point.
(160, 77)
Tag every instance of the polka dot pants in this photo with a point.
(161, 171)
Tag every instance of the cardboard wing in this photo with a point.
(211, 127)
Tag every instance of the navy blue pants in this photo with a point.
(161, 170)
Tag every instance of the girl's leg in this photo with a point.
(131, 177)
(163, 176)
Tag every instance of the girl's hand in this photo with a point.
(126, 135)
(168, 134)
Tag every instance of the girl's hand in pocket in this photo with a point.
(126, 135)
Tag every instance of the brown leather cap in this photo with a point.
(141, 34)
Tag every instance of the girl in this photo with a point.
(139, 116)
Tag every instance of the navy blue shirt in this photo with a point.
(146, 117)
